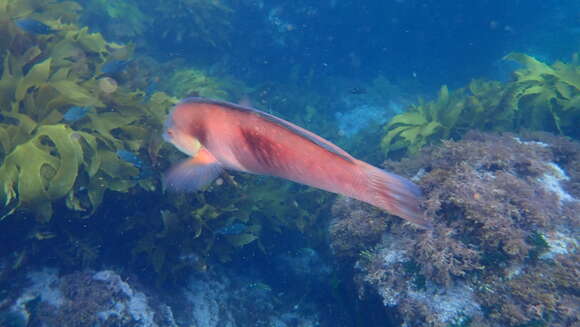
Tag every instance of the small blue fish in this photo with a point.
(76, 113)
(113, 67)
(33, 26)
(232, 229)
(145, 170)
(130, 157)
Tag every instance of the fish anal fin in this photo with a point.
(193, 174)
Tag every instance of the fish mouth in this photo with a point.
(167, 130)
(166, 136)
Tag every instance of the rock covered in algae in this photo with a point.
(89, 299)
(504, 249)
(105, 298)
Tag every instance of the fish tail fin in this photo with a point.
(194, 173)
(395, 194)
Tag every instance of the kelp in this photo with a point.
(189, 231)
(548, 97)
(541, 97)
(50, 163)
(192, 81)
(416, 127)
(109, 15)
(43, 169)
(427, 122)
(45, 158)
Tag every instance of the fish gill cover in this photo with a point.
(86, 85)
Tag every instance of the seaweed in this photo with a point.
(548, 97)
(504, 236)
(42, 169)
(539, 245)
(206, 21)
(118, 19)
(421, 124)
(541, 97)
(451, 115)
(72, 161)
(185, 82)
(354, 229)
(185, 233)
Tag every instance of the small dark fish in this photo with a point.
(113, 67)
(76, 113)
(33, 26)
(232, 229)
(130, 157)
(358, 90)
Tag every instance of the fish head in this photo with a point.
(177, 133)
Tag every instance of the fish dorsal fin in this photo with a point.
(309, 136)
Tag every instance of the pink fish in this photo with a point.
(220, 135)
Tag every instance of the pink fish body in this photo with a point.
(220, 135)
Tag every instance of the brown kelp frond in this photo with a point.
(45, 154)
(541, 97)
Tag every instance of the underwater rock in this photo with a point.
(376, 105)
(207, 301)
(504, 249)
(106, 299)
(227, 298)
(362, 117)
(43, 287)
(87, 299)
(136, 306)
(302, 267)
(354, 228)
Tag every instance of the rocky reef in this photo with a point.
(504, 247)
(108, 298)
(81, 159)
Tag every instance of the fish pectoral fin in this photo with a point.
(193, 174)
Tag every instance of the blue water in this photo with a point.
(431, 42)
(340, 68)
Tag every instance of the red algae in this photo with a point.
(506, 223)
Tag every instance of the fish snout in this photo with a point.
(168, 135)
